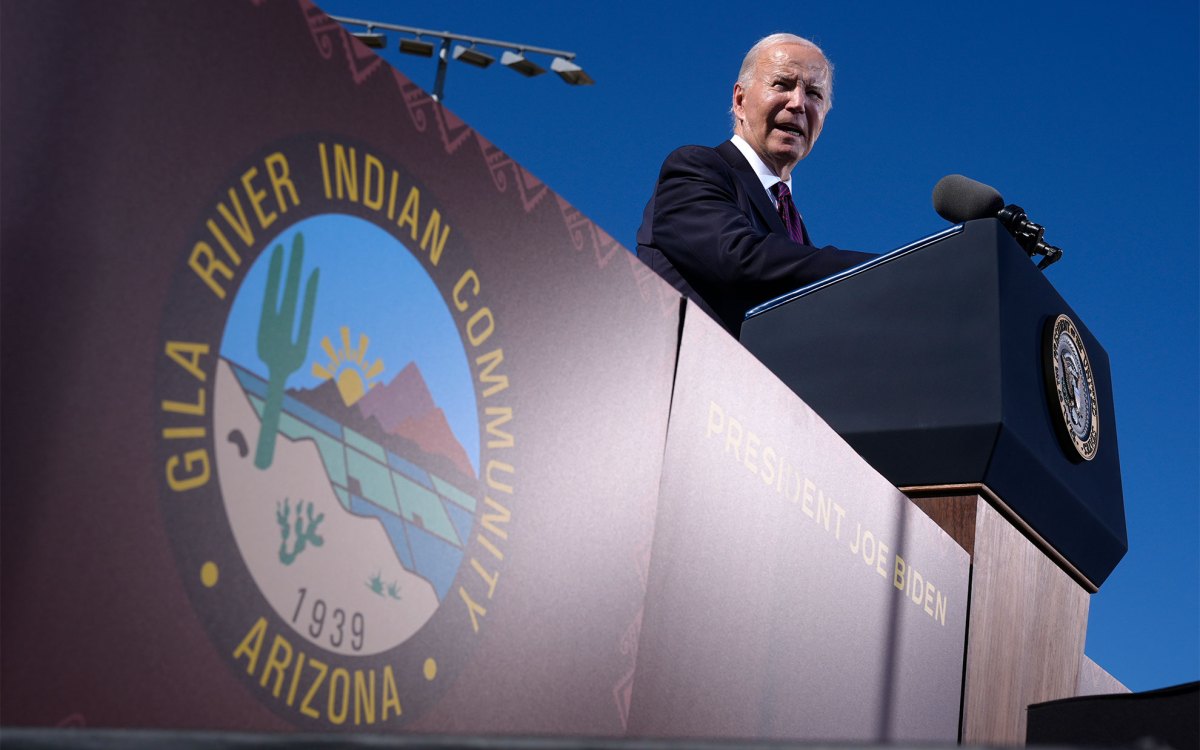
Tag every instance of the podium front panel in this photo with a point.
(930, 363)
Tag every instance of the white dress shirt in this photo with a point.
(765, 175)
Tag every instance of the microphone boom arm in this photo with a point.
(1028, 234)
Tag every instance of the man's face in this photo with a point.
(781, 111)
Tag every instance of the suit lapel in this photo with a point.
(753, 186)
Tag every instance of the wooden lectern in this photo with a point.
(957, 371)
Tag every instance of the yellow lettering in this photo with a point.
(223, 241)
(496, 553)
(503, 415)
(182, 407)
(942, 603)
(277, 661)
(305, 705)
(431, 231)
(472, 607)
(240, 224)
(486, 374)
(256, 198)
(364, 697)
(496, 484)
(195, 477)
(325, 170)
(716, 420)
(917, 590)
(291, 697)
(372, 166)
(391, 696)
(252, 644)
(187, 355)
(880, 559)
(868, 556)
(204, 262)
(469, 277)
(768, 472)
(408, 214)
(480, 314)
(347, 173)
(490, 521)
(733, 441)
(795, 494)
(806, 501)
(180, 433)
(489, 580)
(279, 173)
(337, 714)
(751, 452)
(898, 575)
(824, 506)
(391, 212)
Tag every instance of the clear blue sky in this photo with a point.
(1084, 114)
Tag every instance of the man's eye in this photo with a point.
(817, 94)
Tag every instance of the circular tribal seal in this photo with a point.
(329, 364)
(1070, 380)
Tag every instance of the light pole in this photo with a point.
(562, 62)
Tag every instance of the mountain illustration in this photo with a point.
(405, 408)
(404, 397)
(400, 415)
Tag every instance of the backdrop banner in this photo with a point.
(320, 412)
(794, 593)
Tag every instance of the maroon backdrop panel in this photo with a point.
(793, 592)
(318, 409)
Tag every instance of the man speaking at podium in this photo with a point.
(722, 226)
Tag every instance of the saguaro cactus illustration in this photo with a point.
(276, 349)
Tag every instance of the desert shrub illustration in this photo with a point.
(305, 528)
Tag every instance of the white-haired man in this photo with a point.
(722, 226)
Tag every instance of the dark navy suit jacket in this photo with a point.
(711, 231)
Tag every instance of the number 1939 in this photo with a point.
(332, 624)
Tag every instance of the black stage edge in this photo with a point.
(1169, 717)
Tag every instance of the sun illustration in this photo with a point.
(354, 379)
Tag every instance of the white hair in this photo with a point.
(750, 61)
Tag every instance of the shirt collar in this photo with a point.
(764, 173)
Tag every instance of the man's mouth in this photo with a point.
(793, 129)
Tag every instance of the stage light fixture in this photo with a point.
(472, 56)
(371, 38)
(413, 42)
(570, 72)
(416, 47)
(518, 62)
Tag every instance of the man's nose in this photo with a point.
(797, 102)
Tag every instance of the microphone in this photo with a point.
(958, 199)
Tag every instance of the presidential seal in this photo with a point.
(1072, 388)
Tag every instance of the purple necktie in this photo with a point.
(788, 212)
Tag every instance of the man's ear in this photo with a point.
(739, 94)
